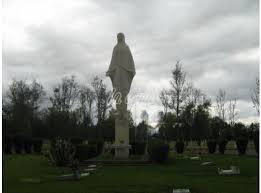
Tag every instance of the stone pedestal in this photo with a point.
(121, 138)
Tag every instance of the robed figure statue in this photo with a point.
(121, 73)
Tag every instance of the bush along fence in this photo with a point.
(158, 150)
(62, 151)
(20, 144)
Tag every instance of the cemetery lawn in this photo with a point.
(178, 173)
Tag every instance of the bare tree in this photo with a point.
(65, 94)
(232, 114)
(102, 97)
(86, 100)
(164, 98)
(178, 91)
(194, 95)
(255, 96)
(221, 101)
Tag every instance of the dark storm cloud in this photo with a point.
(217, 42)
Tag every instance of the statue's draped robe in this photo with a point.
(122, 69)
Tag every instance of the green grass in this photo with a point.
(178, 173)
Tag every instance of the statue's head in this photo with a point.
(120, 37)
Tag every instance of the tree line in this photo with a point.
(75, 110)
(70, 110)
(186, 112)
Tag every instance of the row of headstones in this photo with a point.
(233, 170)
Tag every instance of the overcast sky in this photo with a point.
(216, 40)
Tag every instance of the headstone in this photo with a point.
(208, 164)
(181, 191)
(232, 171)
(92, 166)
(195, 158)
(84, 174)
(121, 73)
(90, 169)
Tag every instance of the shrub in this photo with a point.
(8, 144)
(222, 143)
(256, 141)
(212, 145)
(18, 143)
(242, 145)
(84, 151)
(179, 146)
(76, 140)
(61, 152)
(99, 144)
(28, 145)
(137, 148)
(92, 151)
(37, 145)
(81, 152)
(158, 150)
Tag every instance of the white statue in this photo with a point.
(121, 72)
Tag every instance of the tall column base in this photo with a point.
(121, 139)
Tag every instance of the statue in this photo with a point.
(121, 73)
